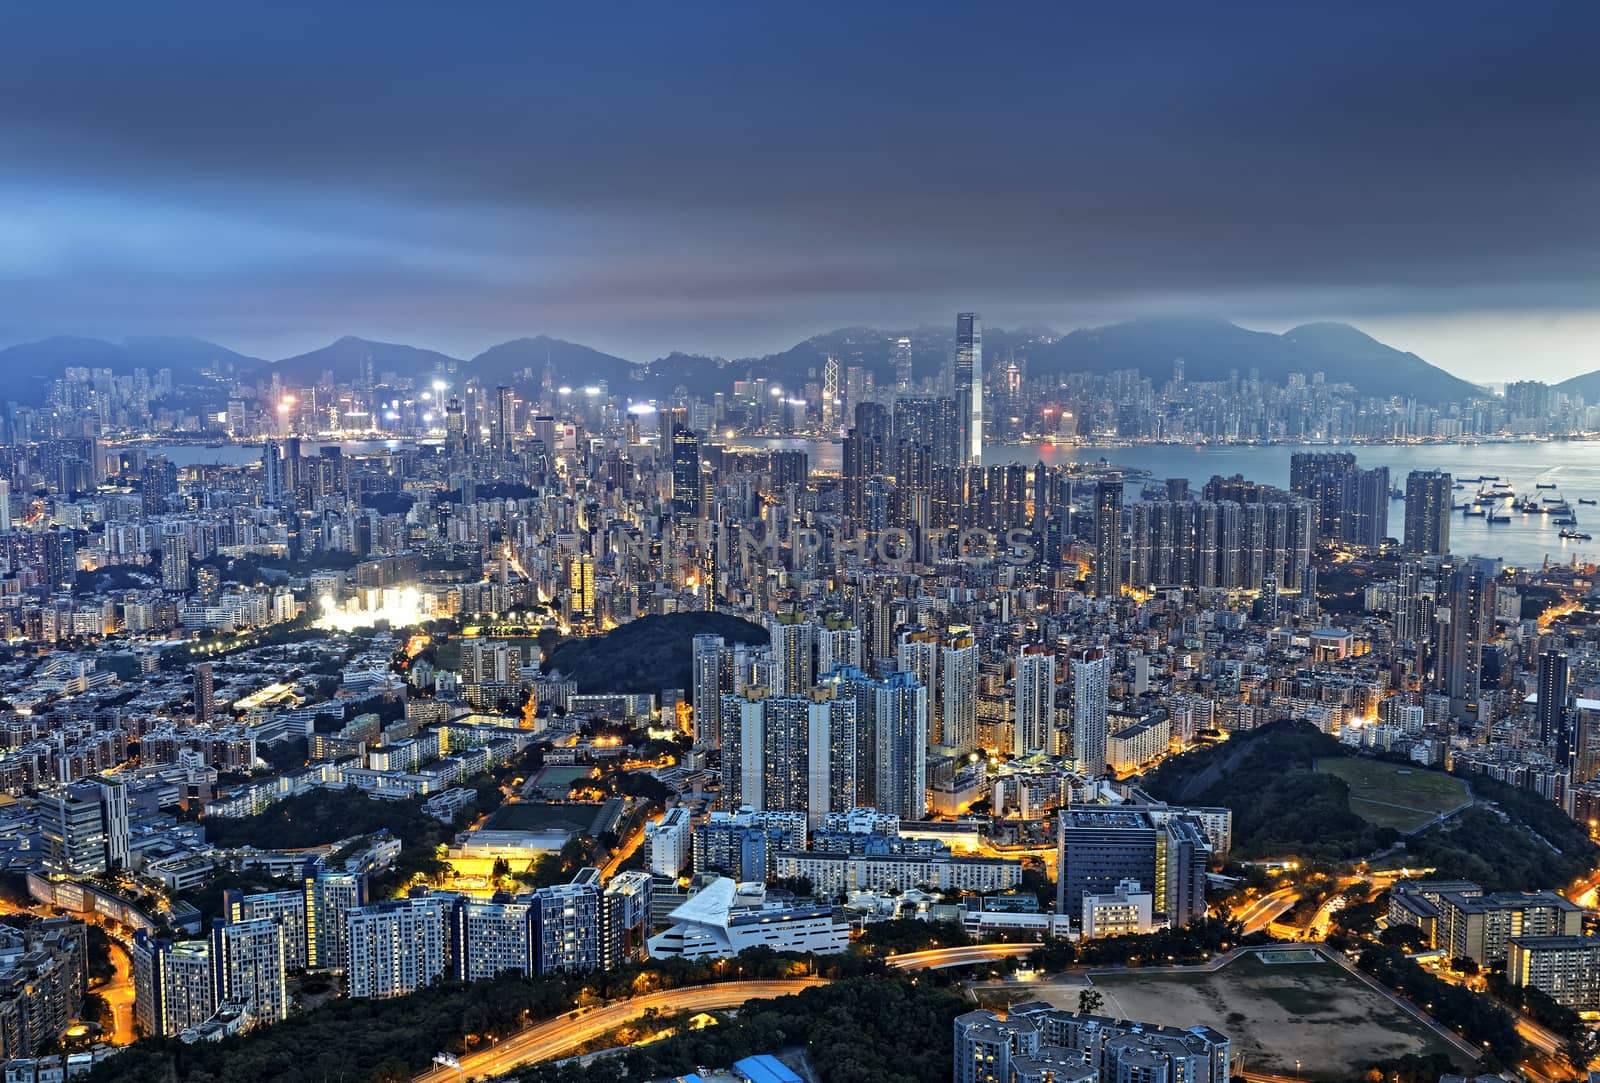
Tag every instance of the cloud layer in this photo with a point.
(729, 178)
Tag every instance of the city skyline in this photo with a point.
(1367, 168)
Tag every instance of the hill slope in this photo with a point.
(645, 655)
(345, 358)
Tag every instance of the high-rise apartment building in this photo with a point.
(330, 896)
(1428, 505)
(685, 472)
(1036, 701)
(1108, 542)
(397, 946)
(248, 967)
(1091, 691)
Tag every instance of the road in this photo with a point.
(562, 1036)
(118, 992)
(1267, 909)
(938, 958)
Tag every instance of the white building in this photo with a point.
(1129, 909)
(396, 947)
(726, 918)
(838, 873)
(669, 841)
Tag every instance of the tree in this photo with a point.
(1090, 1001)
(1404, 937)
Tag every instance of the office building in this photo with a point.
(685, 472)
(1128, 910)
(969, 388)
(397, 947)
(902, 365)
(84, 825)
(1100, 847)
(1551, 708)
(1428, 506)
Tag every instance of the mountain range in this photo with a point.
(1210, 349)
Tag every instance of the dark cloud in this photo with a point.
(724, 177)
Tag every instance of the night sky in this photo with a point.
(729, 179)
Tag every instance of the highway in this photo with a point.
(1267, 909)
(938, 958)
(556, 1038)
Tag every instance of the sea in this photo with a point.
(1528, 540)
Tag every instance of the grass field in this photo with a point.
(1318, 1014)
(532, 816)
(1388, 795)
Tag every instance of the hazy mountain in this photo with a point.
(1348, 354)
(186, 353)
(1587, 385)
(30, 366)
(346, 357)
(1212, 349)
(1209, 348)
(575, 365)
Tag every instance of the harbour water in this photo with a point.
(1572, 466)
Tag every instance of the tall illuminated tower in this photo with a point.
(969, 386)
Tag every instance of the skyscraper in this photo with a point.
(1108, 537)
(1091, 690)
(900, 724)
(204, 694)
(1036, 701)
(902, 365)
(176, 575)
(969, 387)
(830, 395)
(5, 505)
(685, 471)
(1428, 512)
(1552, 705)
(503, 419)
(958, 700)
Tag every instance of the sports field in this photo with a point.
(1316, 1013)
(1389, 795)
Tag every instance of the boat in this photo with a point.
(1476, 511)
(1565, 520)
(1462, 507)
(1551, 498)
(1499, 518)
(1529, 507)
(1576, 535)
(1544, 485)
(1461, 485)
(1490, 477)
(1586, 500)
